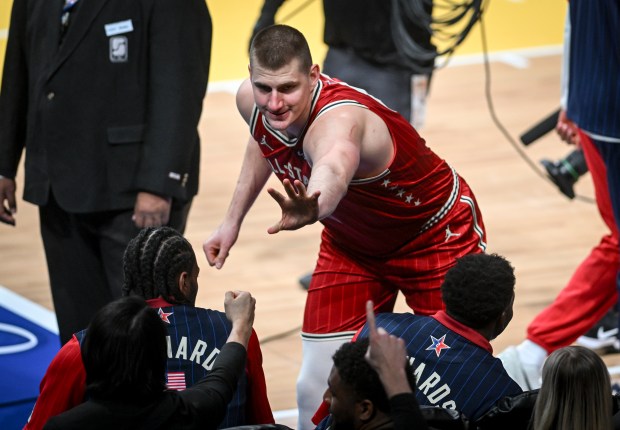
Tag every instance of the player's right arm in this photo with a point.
(62, 387)
(253, 176)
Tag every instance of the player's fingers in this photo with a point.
(138, 220)
(220, 259)
(370, 318)
(291, 191)
(300, 188)
(10, 200)
(6, 216)
(210, 253)
(216, 256)
(277, 196)
(275, 228)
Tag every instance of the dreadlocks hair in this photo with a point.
(153, 261)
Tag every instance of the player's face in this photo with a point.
(341, 400)
(505, 319)
(284, 96)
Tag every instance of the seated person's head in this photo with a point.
(575, 392)
(479, 292)
(355, 394)
(124, 352)
(160, 262)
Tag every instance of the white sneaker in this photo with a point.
(602, 336)
(528, 376)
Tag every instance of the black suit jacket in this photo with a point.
(110, 111)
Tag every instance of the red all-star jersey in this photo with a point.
(380, 214)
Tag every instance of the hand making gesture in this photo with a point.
(298, 208)
(387, 355)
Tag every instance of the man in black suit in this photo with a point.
(105, 97)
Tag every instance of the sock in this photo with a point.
(531, 353)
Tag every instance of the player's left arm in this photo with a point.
(333, 148)
(258, 409)
(343, 143)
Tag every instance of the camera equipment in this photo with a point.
(564, 173)
(540, 129)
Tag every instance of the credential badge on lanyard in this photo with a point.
(119, 44)
(119, 52)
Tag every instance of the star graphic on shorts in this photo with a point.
(438, 344)
(164, 315)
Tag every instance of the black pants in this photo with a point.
(391, 85)
(84, 255)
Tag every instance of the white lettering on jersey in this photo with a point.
(208, 363)
(198, 352)
(182, 349)
(431, 386)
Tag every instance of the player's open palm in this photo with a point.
(298, 207)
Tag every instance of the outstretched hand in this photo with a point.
(387, 355)
(298, 208)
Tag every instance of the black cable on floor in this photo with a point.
(500, 126)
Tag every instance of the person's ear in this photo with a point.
(183, 283)
(365, 410)
(315, 73)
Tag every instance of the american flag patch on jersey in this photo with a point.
(176, 381)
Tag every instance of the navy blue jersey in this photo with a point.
(195, 337)
(453, 364)
(594, 67)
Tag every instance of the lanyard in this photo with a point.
(66, 10)
(69, 4)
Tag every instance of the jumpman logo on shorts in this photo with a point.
(450, 235)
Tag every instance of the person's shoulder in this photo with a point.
(213, 315)
(399, 317)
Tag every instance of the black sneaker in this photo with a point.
(604, 333)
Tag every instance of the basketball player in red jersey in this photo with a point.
(396, 216)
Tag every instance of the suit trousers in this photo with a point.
(84, 254)
(391, 85)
